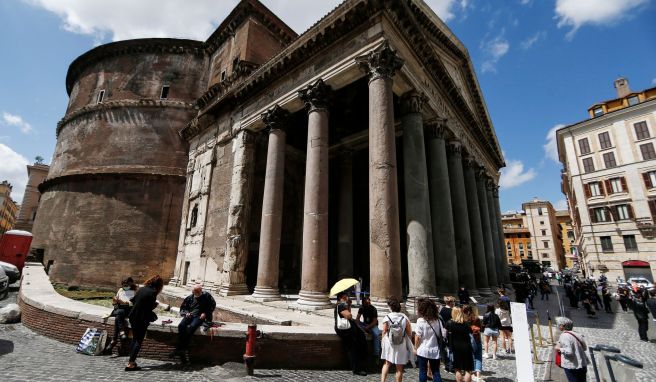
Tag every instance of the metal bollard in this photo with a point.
(537, 322)
(249, 357)
(535, 350)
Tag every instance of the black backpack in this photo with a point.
(493, 321)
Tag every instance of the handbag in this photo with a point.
(558, 356)
(342, 323)
(441, 343)
(92, 342)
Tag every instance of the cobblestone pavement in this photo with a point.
(27, 356)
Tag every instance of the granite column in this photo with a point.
(444, 243)
(345, 216)
(499, 252)
(276, 120)
(475, 227)
(384, 241)
(421, 267)
(314, 267)
(488, 242)
(502, 238)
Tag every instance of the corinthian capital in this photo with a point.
(436, 128)
(316, 95)
(382, 62)
(412, 102)
(454, 147)
(275, 118)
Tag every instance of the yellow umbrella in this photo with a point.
(342, 285)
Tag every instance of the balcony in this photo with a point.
(646, 227)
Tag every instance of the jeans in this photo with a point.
(643, 325)
(477, 348)
(422, 364)
(119, 322)
(375, 333)
(186, 330)
(576, 375)
(138, 334)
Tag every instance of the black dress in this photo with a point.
(460, 344)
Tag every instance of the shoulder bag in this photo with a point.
(558, 357)
(342, 323)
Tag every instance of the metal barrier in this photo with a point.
(611, 353)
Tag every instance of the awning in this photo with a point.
(635, 263)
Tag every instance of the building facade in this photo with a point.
(564, 221)
(36, 174)
(535, 234)
(8, 208)
(361, 148)
(609, 177)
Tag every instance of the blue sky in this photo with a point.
(540, 63)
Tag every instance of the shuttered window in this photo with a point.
(606, 243)
(604, 140)
(649, 178)
(641, 130)
(609, 160)
(584, 146)
(647, 151)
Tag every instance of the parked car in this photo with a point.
(11, 271)
(4, 284)
(643, 282)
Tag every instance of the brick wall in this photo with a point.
(300, 352)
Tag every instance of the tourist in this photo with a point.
(502, 295)
(471, 312)
(572, 347)
(353, 338)
(638, 305)
(141, 315)
(196, 309)
(369, 314)
(607, 299)
(460, 344)
(122, 306)
(623, 298)
(651, 303)
(491, 326)
(503, 311)
(397, 346)
(445, 315)
(545, 290)
(463, 295)
(429, 336)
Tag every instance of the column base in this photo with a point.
(485, 291)
(233, 290)
(309, 300)
(265, 294)
(473, 293)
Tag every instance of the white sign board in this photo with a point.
(522, 343)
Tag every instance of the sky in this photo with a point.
(540, 65)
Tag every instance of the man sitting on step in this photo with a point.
(195, 310)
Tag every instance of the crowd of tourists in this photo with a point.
(457, 337)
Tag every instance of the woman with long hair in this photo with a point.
(491, 325)
(471, 312)
(122, 302)
(145, 301)
(396, 332)
(460, 344)
(429, 334)
(503, 311)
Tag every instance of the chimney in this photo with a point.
(622, 87)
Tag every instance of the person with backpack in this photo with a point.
(492, 324)
(571, 348)
(471, 312)
(429, 340)
(396, 338)
(460, 344)
(503, 311)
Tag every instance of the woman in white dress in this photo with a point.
(396, 343)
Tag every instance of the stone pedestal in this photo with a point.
(481, 179)
(233, 277)
(421, 268)
(314, 267)
(466, 274)
(272, 205)
(384, 242)
(345, 217)
(475, 228)
(444, 244)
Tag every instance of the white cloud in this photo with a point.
(561, 204)
(531, 40)
(576, 13)
(13, 170)
(653, 81)
(17, 121)
(446, 8)
(494, 50)
(514, 174)
(551, 147)
(127, 19)
(525, 2)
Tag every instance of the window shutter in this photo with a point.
(630, 209)
(614, 213)
(586, 188)
(652, 208)
(609, 186)
(647, 179)
(625, 188)
(609, 213)
(601, 188)
(593, 216)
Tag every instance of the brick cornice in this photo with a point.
(120, 104)
(177, 176)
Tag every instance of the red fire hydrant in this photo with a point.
(249, 357)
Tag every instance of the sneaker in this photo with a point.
(507, 351)
(486, 356)
(494, 356)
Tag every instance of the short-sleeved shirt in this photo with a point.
(125, 295)
(369, 313)
(428, 332)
